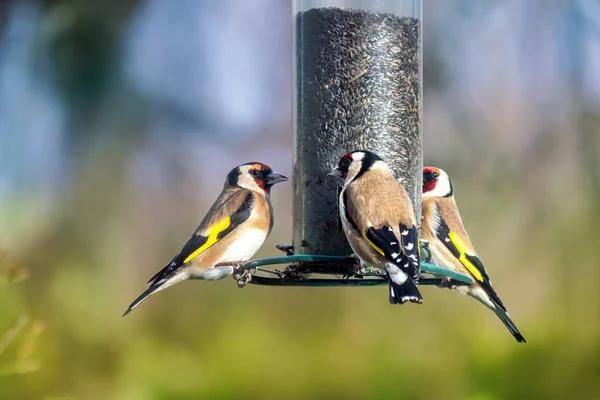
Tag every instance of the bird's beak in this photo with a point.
(274, 178)
(335, 172)
(427, 177)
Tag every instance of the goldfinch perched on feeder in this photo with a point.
(235, 228)
(379, 222)
(451, 247)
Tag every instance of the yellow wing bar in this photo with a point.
(212, 234)
(462, 248)
(377, 249)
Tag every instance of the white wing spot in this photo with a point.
(405, 265)
(413, 257)
(395, 255)
(393, 243)
(409, 246)
(390, 229)
(404, 233)
(447, 239)
(392, 269)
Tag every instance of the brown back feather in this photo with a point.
(377, 199)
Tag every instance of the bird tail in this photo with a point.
(157, 286)
(141, 298)
(403, 288)
(489, 298)
(510, 325)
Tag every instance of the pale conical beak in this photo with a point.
(335, 172)
(274, 178)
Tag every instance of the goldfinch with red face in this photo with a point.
(379, 222)
(235, 228)
(451, 247)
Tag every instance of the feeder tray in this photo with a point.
(342, 271)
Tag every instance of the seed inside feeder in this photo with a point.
(358, 87)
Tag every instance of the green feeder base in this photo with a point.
(342, 271)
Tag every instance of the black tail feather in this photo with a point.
(400, 294)
(141, 298)
(510, 325)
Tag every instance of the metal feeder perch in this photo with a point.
(358, 85)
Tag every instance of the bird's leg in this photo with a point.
(447, 282)
(236, 266)
(243, 279)
(356, 268)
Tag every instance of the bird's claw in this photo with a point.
(446, 282)
(243, 279)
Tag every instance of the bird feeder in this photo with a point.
(357, 85)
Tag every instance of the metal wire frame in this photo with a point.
(342, 271)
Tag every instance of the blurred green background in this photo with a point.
(118, 122)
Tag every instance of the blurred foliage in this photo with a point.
(20, 339)
(84, 52)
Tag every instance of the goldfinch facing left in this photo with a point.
(235, 228)
(451, 247)
(379, 222)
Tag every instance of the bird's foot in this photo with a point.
(237, 276)
(242, 279)
(354, 271)
(358, 268)
(447, 283)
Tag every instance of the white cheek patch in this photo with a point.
(442, 187)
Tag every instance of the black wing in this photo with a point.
(386, 242)
(200, 242)
(471, 262)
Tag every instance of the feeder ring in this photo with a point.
(300, 268)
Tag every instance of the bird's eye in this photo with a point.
(435, 175)
(345, 163)
(254, 173)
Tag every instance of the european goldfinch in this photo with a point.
(379, 222)
(451, 247)
(235, 227)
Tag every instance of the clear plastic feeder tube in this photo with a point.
(357, 85)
